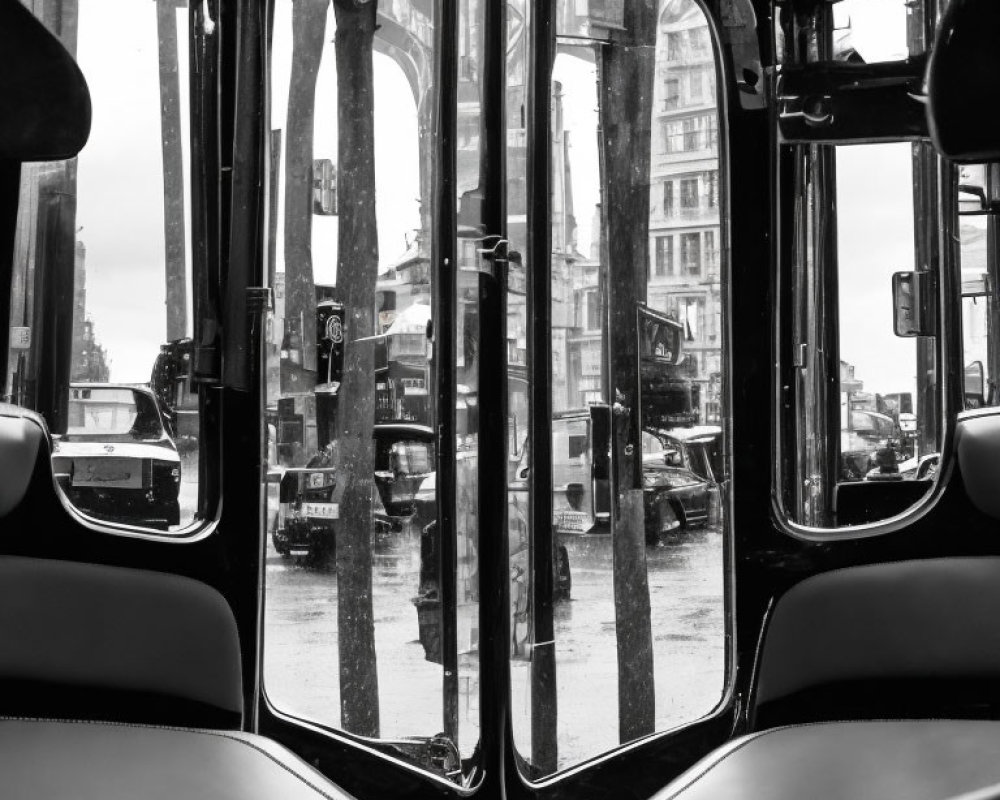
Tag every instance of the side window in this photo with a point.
(100, 314)
(365, 630)
(978, 190)
(866, 268)
(866, 400)
(629, 638)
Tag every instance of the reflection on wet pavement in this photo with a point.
(686, 600)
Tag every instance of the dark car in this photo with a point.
(116, 461)
(678, 477)
(673, 497)
(305, 522)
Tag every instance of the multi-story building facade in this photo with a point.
(684, 231)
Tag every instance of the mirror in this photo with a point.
(971, 199)
(600, 459)
(660, 337)
(975, 385)
(913, 303)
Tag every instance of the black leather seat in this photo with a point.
(120, 684)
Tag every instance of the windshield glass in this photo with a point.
(101, 412)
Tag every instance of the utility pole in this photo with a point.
(173, 169)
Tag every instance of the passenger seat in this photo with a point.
(879, 681)
(120, 684)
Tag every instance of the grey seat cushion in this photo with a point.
(874, 760)
(70, 631)
(888, 627)
(50, 760)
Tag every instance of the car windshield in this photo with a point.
(102, 412)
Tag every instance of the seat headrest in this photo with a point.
(23, 434)
(977, 443)
(963, 82)
(44, 101)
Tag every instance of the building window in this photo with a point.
(675, 46)
(593, 320)
(696, 86)
(711, 132)
(671, 94)
(664, 262)
(668, 199)
(691, 315)
(691, 253)
(711, 253)
(671, 136)
(691, 137)
(712, 188)
(689, 193)
(590, 365)
(699, 43)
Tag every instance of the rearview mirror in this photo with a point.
(975, 385)
(913, 303)
(971, 200)
(600, 459)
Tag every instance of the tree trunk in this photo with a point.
(357, 268)
(626, 96)
(308, 28)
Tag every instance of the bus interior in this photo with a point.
(517, 400)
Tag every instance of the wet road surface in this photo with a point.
(686, 602)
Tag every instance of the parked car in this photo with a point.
(673, 497)
(306, 521)
(116, 461)
(678, 477)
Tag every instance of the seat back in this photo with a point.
(91, 641)
(907, 639)
(903, 640)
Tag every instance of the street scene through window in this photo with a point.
(355, 594)
(110, 234)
